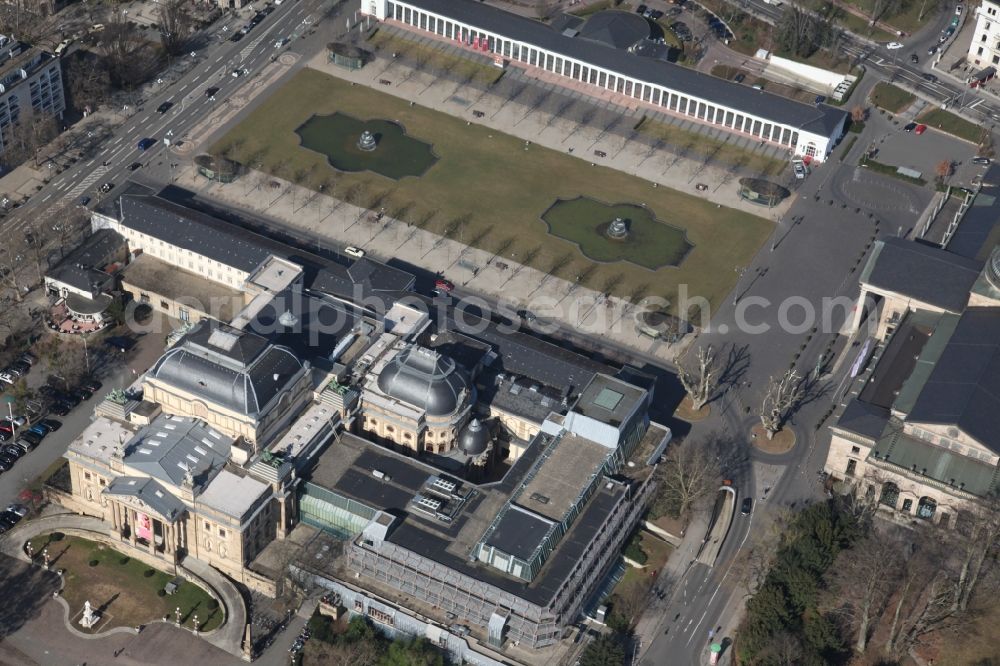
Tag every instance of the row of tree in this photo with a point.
(360, 644)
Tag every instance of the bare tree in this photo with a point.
(700, 383)
(125, 49)
(944, 170)
(175, 25)
(858, 113)
(862, 580)
(88, 80)
(977, 547)
(689, 474)
(781, 397)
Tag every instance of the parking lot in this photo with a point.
(924, 151)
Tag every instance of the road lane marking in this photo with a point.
(47, 197)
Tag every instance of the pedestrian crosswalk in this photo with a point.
(84, 184)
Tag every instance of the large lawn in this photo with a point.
(490, 189)
(891, 98)
(948, 122)
(123, 589)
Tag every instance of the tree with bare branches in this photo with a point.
(701, 381)
(781, 397)
(689, 474)
(862, 580)
(858, 113)
(944, 170)
(175, 25)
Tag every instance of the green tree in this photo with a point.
(607, 650)
(412, 652)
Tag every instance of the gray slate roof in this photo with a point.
(151, 493)
(83, 268)
(425, 379)
(195, 231)
(964, 387)
(821, 119)
(171, 446)
(863, 419)
(616, 29)
(244, 377)
(926, 274)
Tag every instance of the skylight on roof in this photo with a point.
(224, 340)
(191, 458)
(145, 451)
(170, 426)
(158, 493)
(200, 451)
(608, 399)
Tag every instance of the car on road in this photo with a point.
(746, 506)
(892, 46)
(146, 144)
(210, 92)
(914, 58)
(800, 170)
(237, 36)
(981, 160)
(107, 187)
(281, 42)
(134, 166)
(958, 10)
(527, 315)
(444, 285)
(909, 127)
(163, 108)
(354, 251)
(920, 129)
(929, 78)
(932, 50)
(84, 201)
(236, 73)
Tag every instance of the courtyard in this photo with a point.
(124, 591)
(489, 190)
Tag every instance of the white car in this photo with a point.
(958, 10)
(354, 251)
(19, 509)
(800, 170)
(892, 46)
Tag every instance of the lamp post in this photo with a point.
(739, 276)
(177, 616)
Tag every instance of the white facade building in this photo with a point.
(984, 50)
(806, 130)
(30, 84)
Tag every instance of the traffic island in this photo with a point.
(782, 442)
(686, 412)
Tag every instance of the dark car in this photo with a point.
(51, 424)
(641, 9)
(929, 77)
(909, 127)
(5, 435)
(92, 385)
(746, 506)
(914, 58)
(60, 408)
(8, 459)
(81, 394)
(107, 187)
(237, 36)
(134, 166)
(84, 201)
(981, 160)
(9, 518)
(32, 437)
(739, 78)
(163, 108)
(145, 144)
(4, 467)
(121, 343)
(11, 450)
(48, 390)
(210, 92)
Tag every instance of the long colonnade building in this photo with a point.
(810, 130)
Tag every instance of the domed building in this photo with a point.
(417, 398)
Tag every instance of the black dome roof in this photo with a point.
(474, 438)
(426, 379)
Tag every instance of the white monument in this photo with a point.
(89, 618)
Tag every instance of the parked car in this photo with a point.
(443, 285)
(107, 187)
(799, 169)
(739, 78)
(354, 251)
(7, 377)
(27, 357)
(909, 127)
(892, 46)
(914, 59)
(981, 160)
(32, 437)
(237, 36)
(60, 408)
(8, 459)
(92, 385)
(746, 506)
(656, 15)
(19, 509)
(13, 451)
(4, 467)
(81, 394)
(84, 201)
(958, 10)
(51, 424)
(641, 9)
(25, 444)
(5, 435)
(932, 50)
(39, 430)
(920, 129)
(9, 518)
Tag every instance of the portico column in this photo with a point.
(859, 310)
